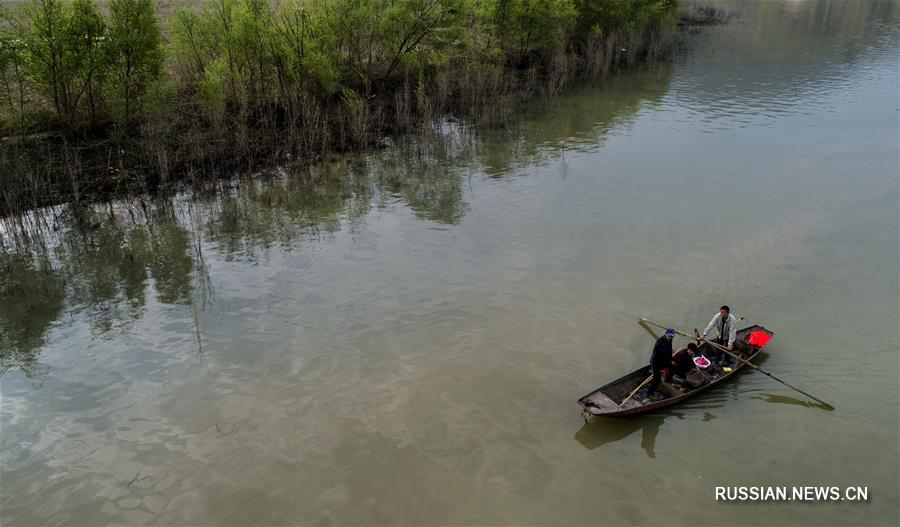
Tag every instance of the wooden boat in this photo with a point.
(605, 401)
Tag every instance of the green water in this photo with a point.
(400, 338)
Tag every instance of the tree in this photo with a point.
(85, 34)
(628, 15)
(62, 59)
(11, 65)
(50, 64)
(525, 27)
(135, 53)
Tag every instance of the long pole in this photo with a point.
(630, 395)
(740, 359)
(625, 400)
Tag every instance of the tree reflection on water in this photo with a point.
(102, 262)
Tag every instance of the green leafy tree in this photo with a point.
(63, 62)
(85, 34)
(374, 39)
(51, 64)
(527, 27)
(303, 38)
(11, 70)
(135, 52)
(603, 17)
(417, 31)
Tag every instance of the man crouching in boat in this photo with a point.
(661, 364)
(683, 366)
(726, 326)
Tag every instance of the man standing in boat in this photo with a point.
(660, 360)
(726, 326)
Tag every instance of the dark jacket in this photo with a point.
(662, 353)
(683, 362)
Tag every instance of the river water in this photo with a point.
(400, 338)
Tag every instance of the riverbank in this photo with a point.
(111, 104)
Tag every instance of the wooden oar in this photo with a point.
(764, 372)
(625, 400)
(647, 329)
(740, 359)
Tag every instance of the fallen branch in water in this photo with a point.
(223, 433)
(135, 479)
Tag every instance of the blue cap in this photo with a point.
(670, 332)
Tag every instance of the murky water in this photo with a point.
(401, 339)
